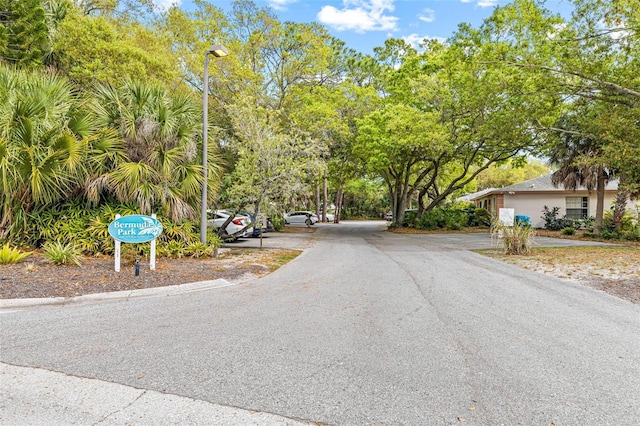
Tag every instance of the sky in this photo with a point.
(365, 24)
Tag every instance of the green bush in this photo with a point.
(410, 218)
(569, 231)
(481, 217)
(551, 220)
(632, 235)
(10, 255)
(60, 253)
(173, 248)
(430, 220)
(442, 217)
(456, 220)
(278, 222)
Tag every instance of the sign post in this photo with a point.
(117, 250)
(261, 221)
(135, 228)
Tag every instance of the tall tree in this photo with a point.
(272, 165)
(92, 49)
(591, 61)
(574, 154)
(158, 167)
(24, 39)
(449, 114)
(44, 139)
(500, 175)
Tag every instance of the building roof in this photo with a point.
(539, 184)
(474, 195)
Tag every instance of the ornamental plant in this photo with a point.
(10, 255)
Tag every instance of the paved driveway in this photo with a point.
(365, 327)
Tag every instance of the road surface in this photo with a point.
(365, 327)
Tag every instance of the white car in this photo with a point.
(238, 227)
(330, 217)
(300, 218)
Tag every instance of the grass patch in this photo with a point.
(280, 257)
(272, 259)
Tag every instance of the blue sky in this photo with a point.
(365, 24)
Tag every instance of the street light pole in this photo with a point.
(217, 51)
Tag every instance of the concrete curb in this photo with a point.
(117, 295)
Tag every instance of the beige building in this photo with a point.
(529, 198)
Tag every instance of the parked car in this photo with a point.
(238, 227)
(300, 218)
(253, 231)
(330, 217)
(388, 216)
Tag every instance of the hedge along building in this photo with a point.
(529, 198)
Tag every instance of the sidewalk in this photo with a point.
(32, 396)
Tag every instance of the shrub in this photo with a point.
(173, 248)
(410, 218)
(456, 219)
(633, 235)
(278, 222)
(197, 249)
(550, 217)
(588, 222)
(61, 254)
(516, 239)
(569, 231)
(11, 255)
(481, 217)
(442, 217)
(430, 220)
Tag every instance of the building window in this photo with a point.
(577, 207)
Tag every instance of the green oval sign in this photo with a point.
(135, 228)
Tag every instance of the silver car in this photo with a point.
(300, 218)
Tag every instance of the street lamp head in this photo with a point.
(218, 51)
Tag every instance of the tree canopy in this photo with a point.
(121, 118)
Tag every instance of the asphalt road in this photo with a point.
(365, 327)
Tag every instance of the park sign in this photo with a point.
(135, 228)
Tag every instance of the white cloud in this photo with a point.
(427, 15)
(417, 41)
(487, 3)
(165, 4)
(360, 16)
(280, 4)
(466, 1)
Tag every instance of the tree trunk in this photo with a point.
(399, 197)
(339, 198)
(318, 199)
(597, 226)
(324, 197)
(620, 204)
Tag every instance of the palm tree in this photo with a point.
(153, 157)
(577, 156)
(43, 144)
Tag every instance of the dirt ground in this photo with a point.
(613, 269)
(35, 277)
